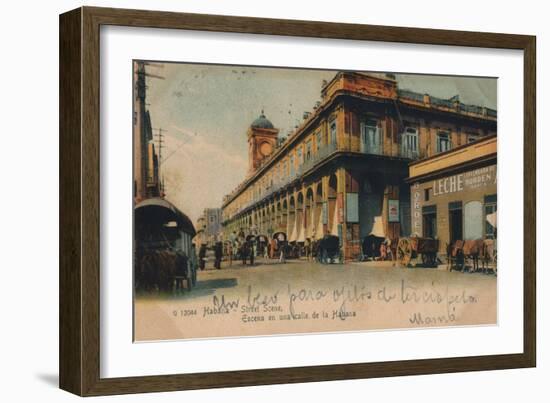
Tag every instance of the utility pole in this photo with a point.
(160, 141)
(142, 129)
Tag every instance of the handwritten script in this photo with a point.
(429, 304)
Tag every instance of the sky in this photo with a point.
(204, 112)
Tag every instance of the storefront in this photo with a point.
(454, 194)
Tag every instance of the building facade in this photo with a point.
(454, 195)
(147, 183)
(343, 170)
(158, 224)
(213, 222)
(209, 226)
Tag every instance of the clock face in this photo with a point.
(265, 149)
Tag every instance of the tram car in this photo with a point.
(163, 255)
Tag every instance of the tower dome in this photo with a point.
(262, 122)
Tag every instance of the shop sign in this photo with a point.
(352, 207)
(393, 210)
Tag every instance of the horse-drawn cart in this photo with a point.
(329, 250)
(414, 247)
(275, 244)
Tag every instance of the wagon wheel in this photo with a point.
(404, 251)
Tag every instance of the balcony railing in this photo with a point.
(280, 183)
(371, 149)
(408, 153)
(321, 154)
(314, 159)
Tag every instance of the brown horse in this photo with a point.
(476, 250)
(156, 270)
(455, 254)
(473, 249)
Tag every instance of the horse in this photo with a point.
(473, 249)
(455, 254)
(157, 269)
(329, 249)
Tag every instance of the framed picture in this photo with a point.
(251, 201)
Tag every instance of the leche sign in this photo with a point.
(466, 181)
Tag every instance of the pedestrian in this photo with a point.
(237, 250)
(244, 252)
(254, 248)
(218, 252)
(307, 247)
(389, 250)
(282, 251)
(202, 256)
(193, 264)
(383, 251)
(266, 250)
(230, 253)
(252, 252)
(182, 272)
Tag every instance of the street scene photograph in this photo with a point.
(273, 200)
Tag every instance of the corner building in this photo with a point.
(454, 195)
(343, 171)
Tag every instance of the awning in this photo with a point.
(310, 224)
(300, 219)
(293, 234)
(492, 219)
(378, 227)
(319, 232)
(334, 230)
(157, 211)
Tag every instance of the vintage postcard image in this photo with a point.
(286, 201)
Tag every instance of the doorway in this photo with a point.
(455, 221)
(429, 222)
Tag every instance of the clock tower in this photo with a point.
(262, 140)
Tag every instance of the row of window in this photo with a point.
(302, 154)
(473, 220)
(371, 142)
(410, 142)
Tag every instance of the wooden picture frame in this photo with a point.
(79, 346)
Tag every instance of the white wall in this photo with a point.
(29, 93)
